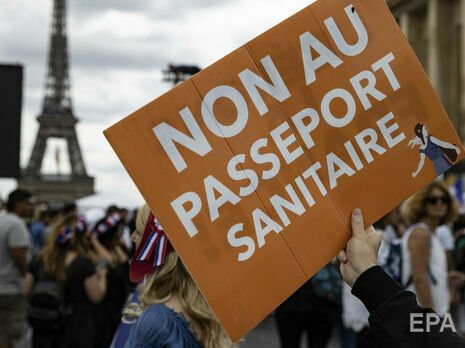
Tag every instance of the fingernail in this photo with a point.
(357, 212)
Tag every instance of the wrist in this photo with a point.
(358, 270)
(385, 285)
(367, 265)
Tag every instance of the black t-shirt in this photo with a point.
(76, 272)
(37, 269)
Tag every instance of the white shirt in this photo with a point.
(437, 266)
(445, 236)
(13, 234)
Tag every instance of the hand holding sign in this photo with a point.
(361, 251)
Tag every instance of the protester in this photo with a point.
(69, 209)
(354, 317)
(108, 312)
(389, 305)
(56, 216)
(172, 310)
(45, 283)
(424, 264)
(392, 225)
(109, 231)
(37, 230)
(132, 220)
(126, 235)
(14, 244)
(313, 309)
(122, 334)
(132, 227)
(112, 209)
(84, 283)
(391, 228)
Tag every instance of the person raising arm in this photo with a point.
(390, 306)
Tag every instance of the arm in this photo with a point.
(444, 144)
(100, 251)
(19, 257)
(28, 284)
(420, 164)
(390, 307)
(391, 310)
(95, 285)
(120, 255)
(418, 243)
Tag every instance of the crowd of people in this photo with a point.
(69, 278)
(117, 281)
(423, 249)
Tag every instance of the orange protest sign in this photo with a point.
(254, 164)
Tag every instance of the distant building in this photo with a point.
(434, 29)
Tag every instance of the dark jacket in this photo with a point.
(390, 310)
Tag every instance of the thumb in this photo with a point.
(374, 236)
(371, 231)
(357, 222)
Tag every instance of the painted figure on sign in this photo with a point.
(442, 153)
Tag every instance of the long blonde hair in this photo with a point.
(173, 279)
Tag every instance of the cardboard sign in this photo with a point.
(254, 165)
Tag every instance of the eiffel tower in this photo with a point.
(57, 121)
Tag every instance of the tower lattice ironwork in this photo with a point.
(57, 120)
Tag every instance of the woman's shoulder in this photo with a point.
(418, 233)
(160, 325)
(419, 228)
(160, 311)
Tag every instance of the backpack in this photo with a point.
(327, 284)
(47, 304)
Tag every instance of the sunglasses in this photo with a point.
(436, 199)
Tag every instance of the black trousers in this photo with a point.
(47, 339)
(318, 324)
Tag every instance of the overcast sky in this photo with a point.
(117, 50)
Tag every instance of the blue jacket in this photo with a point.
(160, 326)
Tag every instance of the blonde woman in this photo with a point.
(424, 269)
(172, 311)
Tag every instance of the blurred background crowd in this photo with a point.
(67, 272)
(59, 288)
(69, 287)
